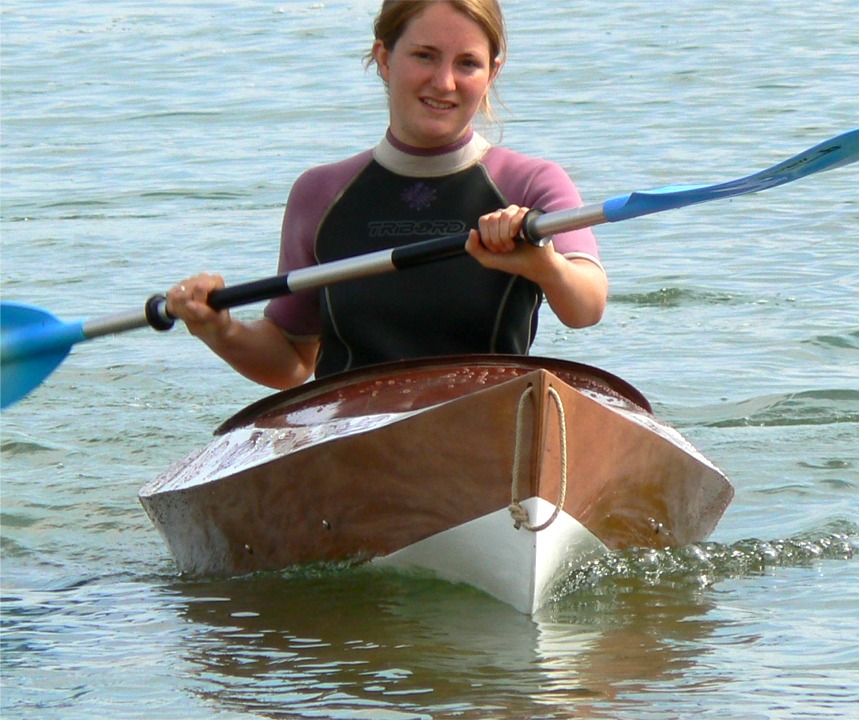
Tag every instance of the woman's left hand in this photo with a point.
(500, 229)
(576, 289)
(495, 244)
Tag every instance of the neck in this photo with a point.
(429, 152)
(403, 159)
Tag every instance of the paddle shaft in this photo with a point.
(330, 273)
(35, 342)
(537, 230)
(539, 227)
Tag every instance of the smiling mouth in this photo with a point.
(438, 105)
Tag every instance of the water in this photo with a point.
(145, 141)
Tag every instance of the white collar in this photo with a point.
(417, 162)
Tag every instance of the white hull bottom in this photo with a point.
(519, 567)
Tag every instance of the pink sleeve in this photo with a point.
(535, 183)
(310, 197)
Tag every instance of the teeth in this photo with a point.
(438, 105)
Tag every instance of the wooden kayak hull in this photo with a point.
(412, 464)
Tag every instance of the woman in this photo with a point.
(431, 175)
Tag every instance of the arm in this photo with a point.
(260, 350)
(576, 289)
(568, 269)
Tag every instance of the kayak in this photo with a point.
(503, 472)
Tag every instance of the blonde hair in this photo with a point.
(395, 16)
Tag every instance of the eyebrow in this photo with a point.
(427, 46)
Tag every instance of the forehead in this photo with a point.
(440, 25)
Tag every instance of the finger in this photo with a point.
(503, 232)
(490, 228)
(176, 298)
(516, 221)
(499, 229)
(199, 292)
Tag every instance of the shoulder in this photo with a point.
(311, 196)
(503, 157)
(538, 183)
(530, 181)
(324, 182)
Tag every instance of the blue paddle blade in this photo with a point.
(835, 152)
(32, 344)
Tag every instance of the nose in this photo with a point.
(443, 78)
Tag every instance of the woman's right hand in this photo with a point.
(259, 350)
(187, 301)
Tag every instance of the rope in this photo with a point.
(517, 512)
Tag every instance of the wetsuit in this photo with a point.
(394, 195)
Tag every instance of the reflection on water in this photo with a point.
(276, 644)
(287, 645)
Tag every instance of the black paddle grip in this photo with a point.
(426, 251)
(251, 292)
(156, 313)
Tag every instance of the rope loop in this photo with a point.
(517, 511)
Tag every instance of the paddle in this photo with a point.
(34, 342)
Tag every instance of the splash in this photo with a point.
(703, 564)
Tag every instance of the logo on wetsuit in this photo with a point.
(418, 196)
(400, 228)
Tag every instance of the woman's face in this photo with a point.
(437, 75)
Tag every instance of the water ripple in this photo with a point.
(847, 341)
(672, 297)
(810, 407)
(14, 447)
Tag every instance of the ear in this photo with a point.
(497, 65)
(382, 58)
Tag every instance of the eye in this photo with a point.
(471, 64)
(471, 59)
